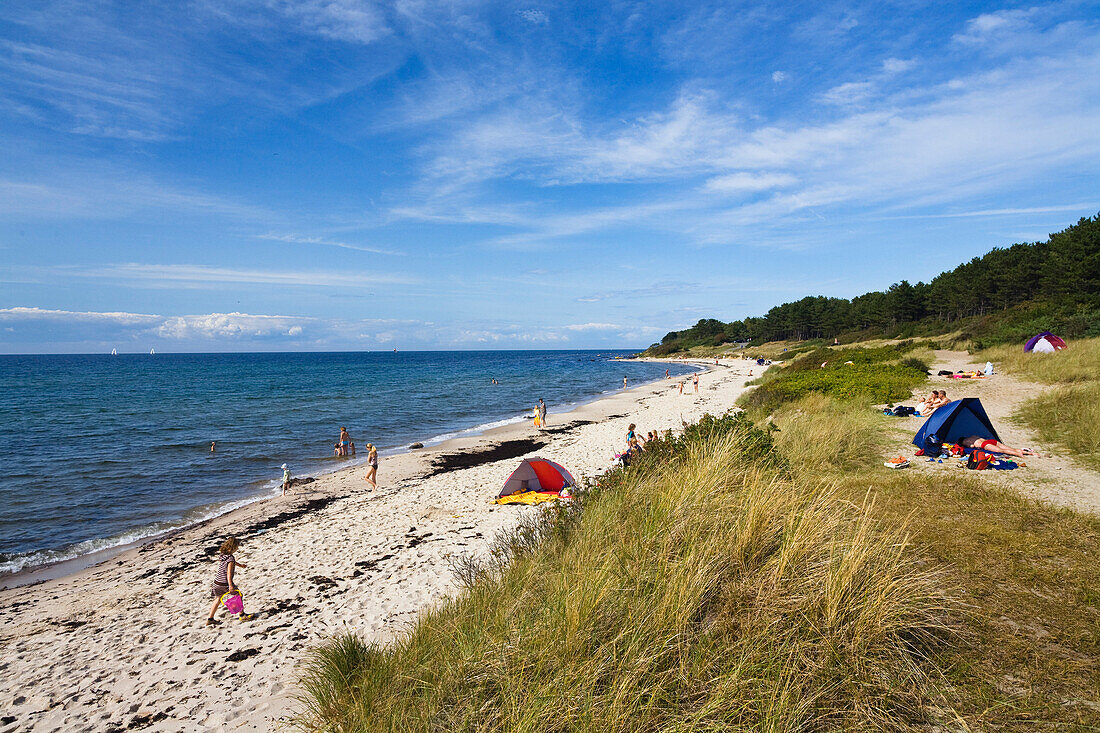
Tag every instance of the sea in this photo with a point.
(102, 451)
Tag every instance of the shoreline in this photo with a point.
(122, 644)
(34, 574)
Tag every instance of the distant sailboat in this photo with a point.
(114, 352)
(152, 351)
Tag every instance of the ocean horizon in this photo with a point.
(107, 450)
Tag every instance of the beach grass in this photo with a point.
(1069, 414)
(1028, 653)
(1078, 363)
(707, 588)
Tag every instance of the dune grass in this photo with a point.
(1028, 657)
(704, 589)
(1079, 363)
(1069, 414)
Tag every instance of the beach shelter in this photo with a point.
(1044, 343)
(955, 421)
(537, 474)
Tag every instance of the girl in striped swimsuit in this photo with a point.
(223, 580)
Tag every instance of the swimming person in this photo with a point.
(223, 579)
(372, 466)
(211, 446)
(286, 479)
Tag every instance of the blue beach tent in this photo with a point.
(955, 421)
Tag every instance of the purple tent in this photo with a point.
(1045, 342)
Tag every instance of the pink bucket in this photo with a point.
(233, 602)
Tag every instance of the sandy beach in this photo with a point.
(123, 645)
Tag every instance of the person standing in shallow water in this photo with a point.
(624, 382)
(345, 440)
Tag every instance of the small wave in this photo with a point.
(15, 562)
(442, 437)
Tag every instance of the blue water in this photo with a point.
(105, 450)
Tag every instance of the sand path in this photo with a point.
(122, 645)
(1055, 478)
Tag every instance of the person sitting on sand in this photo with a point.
(931, 403)
(632, 438)
(996, 446)
(372, 466)
(223, 579)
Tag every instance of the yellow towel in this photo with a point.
(527, 497)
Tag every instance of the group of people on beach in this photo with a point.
(635, 442)
(346, 447)
(540, 414)
(932, 402)
(694, 382)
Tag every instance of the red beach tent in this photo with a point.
(537, 474)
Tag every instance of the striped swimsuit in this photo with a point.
(221, 580)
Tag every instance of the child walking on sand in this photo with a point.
(223, 579)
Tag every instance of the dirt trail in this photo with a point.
(1055, 478)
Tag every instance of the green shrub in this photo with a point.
(914, 363)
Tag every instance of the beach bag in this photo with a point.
(933, 446)
(979, 460)
(233, 601)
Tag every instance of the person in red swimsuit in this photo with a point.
(995, 446)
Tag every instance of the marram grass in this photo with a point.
(703, 590)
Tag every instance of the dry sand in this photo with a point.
(1054, 478)
(123, 645)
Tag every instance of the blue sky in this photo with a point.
(232, 175)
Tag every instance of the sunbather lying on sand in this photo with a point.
(995, 446)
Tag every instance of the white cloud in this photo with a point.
(897, 66)
(23, 313)
(537, 17)
(746, 182)
(203, 275)
(354, 21)
(851, 93)
(988, 25)
(214, 326)
(296, 239)
(592, 327)
(779, 77)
